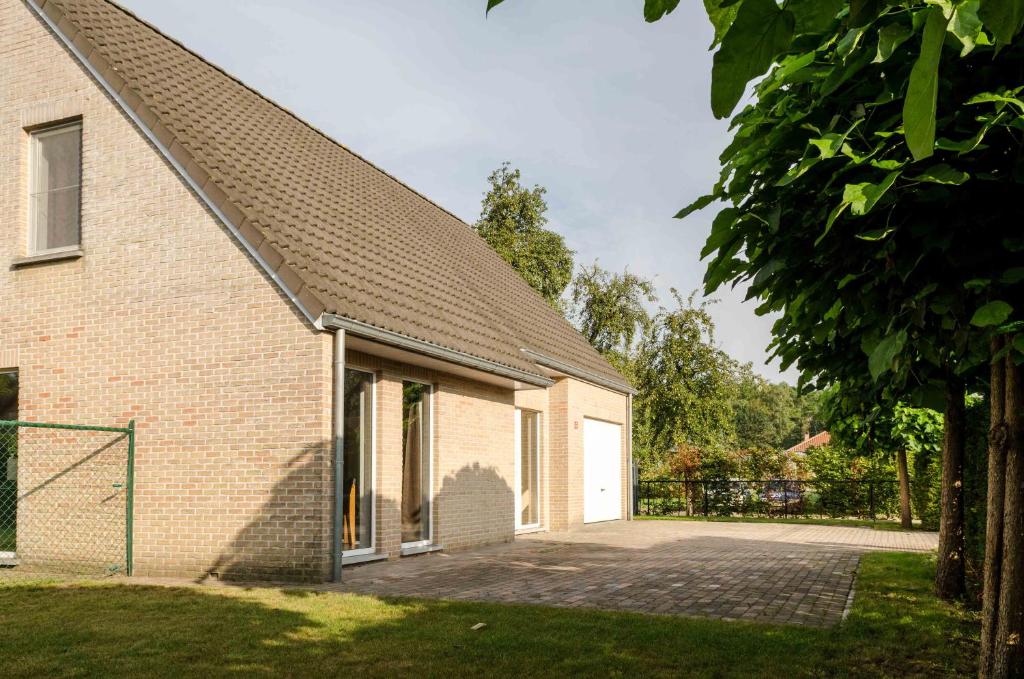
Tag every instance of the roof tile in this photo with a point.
(363, 245)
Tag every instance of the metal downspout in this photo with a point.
(339, 452)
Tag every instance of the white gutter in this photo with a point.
(166, 153)
(337, 546)
(366, 331)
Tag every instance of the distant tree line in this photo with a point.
(696, 408)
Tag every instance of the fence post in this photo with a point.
(871, 498)
(705, 499)
(130, 500)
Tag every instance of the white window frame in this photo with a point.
(372, 549)
(429, 540)
(518, 443)
(33, 161)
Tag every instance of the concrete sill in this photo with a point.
(362, 558)
(528, 531)
(422, 549)
(47, 257)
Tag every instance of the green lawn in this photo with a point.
(880, 524)
(73, 629)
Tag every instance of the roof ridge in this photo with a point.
(284, 109)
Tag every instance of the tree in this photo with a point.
(512, 222)
(891, 432)
(846, 159)
(683, 385)
(608, 308)
(881, 157)
(767, 415)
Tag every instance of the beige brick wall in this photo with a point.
(571, 402)
(167, 321)
(473, 456)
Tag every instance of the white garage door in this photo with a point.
(602, 471)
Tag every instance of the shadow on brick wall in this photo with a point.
(290, 538)
(474, 506)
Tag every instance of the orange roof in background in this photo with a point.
(816, 441)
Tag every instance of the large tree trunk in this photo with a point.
(1008, 647)
(906, 518)
(994, 517)
(949, 576)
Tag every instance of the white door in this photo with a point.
(602, 471)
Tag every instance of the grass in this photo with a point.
(880, 524)
(897, 628)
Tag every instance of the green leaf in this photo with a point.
(1013, 276)
(698, 204)
(721, 231)
(890, 37)
(814, 16)
(996, 98)
(942, 174)
(721, 13)
(760, 32)
(847, 279)
(864, 196)
(966, 25)
(881, 359)
(875, 235)
(863, 12)
(655, 9)
(1003, 17)
(832, 217)
(923, 88)
(491, 4)
(1018, 343)
(991, 314)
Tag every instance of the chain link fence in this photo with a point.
(66, 497)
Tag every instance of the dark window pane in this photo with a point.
(358, 469)
(415, 462)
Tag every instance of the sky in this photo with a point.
(609, 113)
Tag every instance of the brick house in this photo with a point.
(267, 305)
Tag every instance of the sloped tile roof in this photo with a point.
(343, 236)
(816, 441)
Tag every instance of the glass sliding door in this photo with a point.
(527, 476)
(416, 455)
(357, 502)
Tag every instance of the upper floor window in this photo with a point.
(55, 183)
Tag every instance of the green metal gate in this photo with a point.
(66, 495)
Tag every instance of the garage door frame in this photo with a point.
(602, 469)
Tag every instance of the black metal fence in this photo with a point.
(772, 498)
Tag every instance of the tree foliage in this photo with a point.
(512, 222)
(683, 382)
(771, 416)
(610, 308)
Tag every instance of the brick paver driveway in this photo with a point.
(780, 573)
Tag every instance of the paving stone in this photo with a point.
(777, 573)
